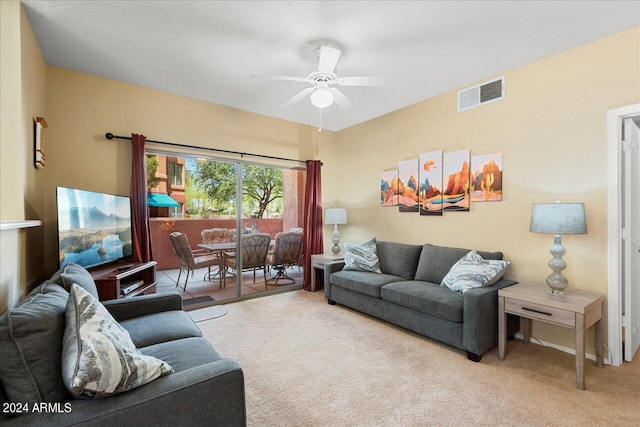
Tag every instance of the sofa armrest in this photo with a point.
(209, 394)
(129, 308)
(329, 268)
(480, 322)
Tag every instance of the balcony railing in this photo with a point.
(162, 227)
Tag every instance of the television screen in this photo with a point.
(93, 228)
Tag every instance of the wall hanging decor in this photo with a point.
(389, 188)
(408, 185)
(39, 124)
(456, 185)
(486, 179)
(430, 195)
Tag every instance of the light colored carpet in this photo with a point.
(307, 363)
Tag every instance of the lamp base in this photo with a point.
(556, 281)
(336, 239)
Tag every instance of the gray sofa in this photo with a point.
(204, 389)
(408, 293)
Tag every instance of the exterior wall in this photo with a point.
(552, 131)
(293, 199)
(162, 227)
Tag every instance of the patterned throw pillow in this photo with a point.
(98, 357)
(473, 271)
(362, 257)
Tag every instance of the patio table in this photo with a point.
(221, 249)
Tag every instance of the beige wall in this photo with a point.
(22, 85)
(551, 130)
(82, 108)
(11, 131)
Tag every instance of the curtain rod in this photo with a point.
(109, 135)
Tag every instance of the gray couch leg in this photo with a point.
(331, 302)
(474, 357)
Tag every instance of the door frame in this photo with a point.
(614, 226)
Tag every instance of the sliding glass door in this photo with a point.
(224, 207)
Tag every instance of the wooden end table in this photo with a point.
(576, 310)
(318, 261)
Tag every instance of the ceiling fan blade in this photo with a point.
(286, 78)
(297, 98)
(340, 99)
(328, 59)
(361, 81)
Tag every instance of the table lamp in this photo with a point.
(558, 218)
(335, 216)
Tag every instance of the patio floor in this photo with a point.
(198, 287)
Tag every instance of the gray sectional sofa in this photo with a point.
(408, 293)
(204, 389)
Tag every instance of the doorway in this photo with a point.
(623, 129)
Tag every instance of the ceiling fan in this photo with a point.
(322, 91)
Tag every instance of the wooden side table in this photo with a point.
(317, 262)
(576, 310)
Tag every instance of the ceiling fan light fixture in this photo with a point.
(322, 97)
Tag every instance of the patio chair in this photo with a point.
(254, 255)
(215, 235)
(286, 252)
(189, 262)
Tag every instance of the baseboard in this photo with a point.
(564, 349)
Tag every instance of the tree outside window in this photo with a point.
(262, 189)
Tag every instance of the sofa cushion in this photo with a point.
(473, 271)
(436, 261)
(74, 273)
(183, 354)
(160, 327)
(31, 347)
(399, 259)
(425, 297)
(362, 257)
(98, 357)
(363, 282)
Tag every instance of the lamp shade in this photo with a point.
(558, 218)
(335, 216)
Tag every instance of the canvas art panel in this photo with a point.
(408, 186)
(486, 178)
(389, 188)
(430, 173)
(457, 181)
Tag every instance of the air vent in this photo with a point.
(481, 94)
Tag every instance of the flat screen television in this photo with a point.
(93, 228)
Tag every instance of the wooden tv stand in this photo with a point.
(125, 280)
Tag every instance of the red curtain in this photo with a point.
(139, 209)
(313, 240)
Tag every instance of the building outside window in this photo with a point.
(175, 174)
(176, 211)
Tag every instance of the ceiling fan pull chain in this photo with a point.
(320, 114)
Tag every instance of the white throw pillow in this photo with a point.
(362, 257)
(98, 357)
(473, 271)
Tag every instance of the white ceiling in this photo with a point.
(210, 49)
